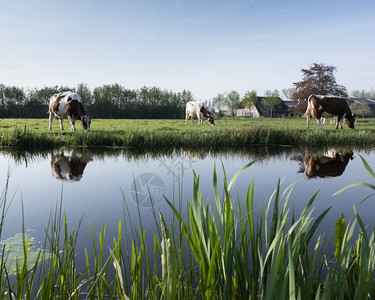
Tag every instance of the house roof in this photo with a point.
(290, 104)
(368, 101)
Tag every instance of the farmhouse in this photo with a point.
(260, 110)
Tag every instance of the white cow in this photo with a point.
(197, 109)
(68, 105)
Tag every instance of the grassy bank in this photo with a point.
(228, 251)
(27, 134)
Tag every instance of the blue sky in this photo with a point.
(207, 47)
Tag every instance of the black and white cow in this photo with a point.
(197, 109)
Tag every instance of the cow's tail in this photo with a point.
(309, 99)
(309, 106)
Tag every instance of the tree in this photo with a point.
(14, 100)
(318, 79)
(360, 109)
(288, 93)
(363, 94)
(84, 91)
(250, 98)
(271, 99)
(2, 99)
(232, 100)
(218, 103)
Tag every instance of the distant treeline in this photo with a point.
(107, 101)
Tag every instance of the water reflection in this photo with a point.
(68, 167)
(331, 164)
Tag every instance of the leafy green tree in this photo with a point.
(271, 99)
(103, 105)
(14, 100)
(84, 91)
(218, 103)
(250, 98)
(318, 79)
(232, 101)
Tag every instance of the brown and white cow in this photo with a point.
(68, 168)
(328, 107)
(331, 164)
(68, 105)
(197, 109)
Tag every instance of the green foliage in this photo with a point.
(107, 101)
(250, 98)
(232, 101)
(218, 103)
(271, 99)
(339, 231)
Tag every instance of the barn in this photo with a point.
(260, 110)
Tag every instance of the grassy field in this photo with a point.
(116, 125)
(151, 134)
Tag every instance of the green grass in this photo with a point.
(224, 251)
(113, 125)
(33, 134)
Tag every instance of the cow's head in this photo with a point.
(86, 121)
(350, 120)
(211, 119)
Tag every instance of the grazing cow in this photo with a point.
(68, 105)
(331, 164)
(326, 106)
(68, 168)
(197, 109)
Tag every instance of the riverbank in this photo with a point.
(32, 134)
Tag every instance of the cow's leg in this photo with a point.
(308, 122)
(50, 120)
(339, 122)
(320, 124)
(342, 120)
(61, 124)
(200, 120)
(72, 121)
(186, 119)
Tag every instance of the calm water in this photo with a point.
(100, 187)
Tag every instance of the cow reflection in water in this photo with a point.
(331, 164)
(68, 168)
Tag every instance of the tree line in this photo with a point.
(116, 101)
(107, 101)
